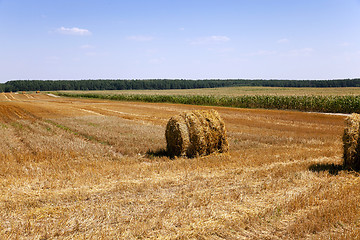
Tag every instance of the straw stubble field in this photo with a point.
(75, 168)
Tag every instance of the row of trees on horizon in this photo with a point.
(160, 84)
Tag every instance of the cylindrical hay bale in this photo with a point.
(196, 133)
(351, 142)
(177, 136)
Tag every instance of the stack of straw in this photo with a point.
(351, 142)
(196, 133)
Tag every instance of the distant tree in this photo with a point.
(106, 84)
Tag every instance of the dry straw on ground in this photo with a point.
(66, 173)
(351, 142)
(196, 133)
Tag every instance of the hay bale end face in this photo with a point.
(351, 142)
(196, 133)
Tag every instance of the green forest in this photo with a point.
(158, 84)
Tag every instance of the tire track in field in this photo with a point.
(29, 96)
(19, 122)
(11, 97)
(81, 135)
(6, 97)
(104, 112)
(122, 113)
(12, 113)
(132, 116)
(90, 111)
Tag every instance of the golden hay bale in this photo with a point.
(196, 133)
(351, 142)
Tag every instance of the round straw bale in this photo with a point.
(351, 142)
(196, 133)
(177, 136)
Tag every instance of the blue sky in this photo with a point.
(187, 39)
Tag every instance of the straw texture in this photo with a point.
(351, 142)
(196, 133)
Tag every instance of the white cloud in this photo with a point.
(211, 39)
(283, 40)
(219, 38)
(140, 38)
(73, 31)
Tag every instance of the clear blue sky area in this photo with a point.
(188, 39)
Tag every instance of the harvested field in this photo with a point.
(82, 168)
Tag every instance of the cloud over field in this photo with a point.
(73, 31)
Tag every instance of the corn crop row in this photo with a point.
(330, 104)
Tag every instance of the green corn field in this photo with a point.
(326, 104)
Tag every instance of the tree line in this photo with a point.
(159, 84)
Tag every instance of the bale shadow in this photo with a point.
(158, 153)
(332, 168)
